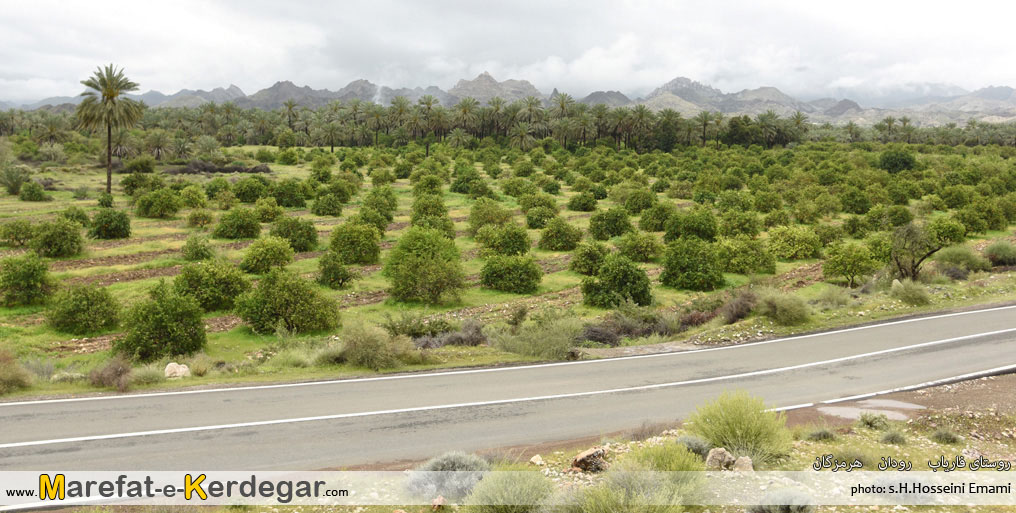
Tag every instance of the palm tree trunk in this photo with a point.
(109, 158)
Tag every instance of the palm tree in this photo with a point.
(890, 123)
(465, 112)
(290, 107)
(458, 138)
(768, 124)
(800, 122)
(718, 122)
(563, 103)
(703, 118)
(157, 142)
(853, 132)
(521, 136)
(105, 105)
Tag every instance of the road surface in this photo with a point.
(309, 426)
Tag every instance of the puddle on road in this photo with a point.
(888, 407)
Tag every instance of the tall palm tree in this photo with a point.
(105, 105)
(703, 118)
(289, 106)
(563, 103)
(521, 136)
(890, 124)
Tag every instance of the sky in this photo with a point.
(810, 49)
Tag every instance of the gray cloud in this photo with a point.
(809, 49)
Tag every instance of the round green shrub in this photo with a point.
(540, 199)
(692, 264)
(268, 210)
(452, 475)
(17, 233)
(618, 280)
(215, 284)
(737, 222)
(24, 280)
(794, 242)
(505, 239)
(428, 184)
(240, 223)
(510, 492)
(895, 161)
(745, 426)
(443, 224)
(333, 273)
(82, 310)
(588, 257)
(33, 191)
(160, 203)
(165, 324)
(486, 211)
(639, 246)
(200, 218)
(639, 200)
(356, 243)
(141, 164)
(742, 254)
(383, 200)
(517, 187)
(197, 247)
(290, 193)
(327, 205)
(77, 215)
(343, 190)
(424, 266)
(784, 309)
(225, 200)
(250, 189)
(538, 217)
(105, 200)
(373, 347)
(136, 184)
(428, 205)
(655, 218)
(369, 217)
(1001, 253)
(584, 202)
(58, 238)
(193, 196)
(696, 222)
(559, 235)
(266, 253)
(284, 300)
(519, 274)
(109, 223)
(215, 186)
(300, 233)
(609, 223)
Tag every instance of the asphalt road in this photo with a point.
(333, 424)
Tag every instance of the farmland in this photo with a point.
(591, 251)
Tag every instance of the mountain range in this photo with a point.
(927, 104)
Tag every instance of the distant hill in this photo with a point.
(484, 87)
(609, 98)
(924, 103)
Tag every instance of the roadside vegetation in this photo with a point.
(301, 244)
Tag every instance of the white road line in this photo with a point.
(501, 369)
(496, 401)
(926, 384)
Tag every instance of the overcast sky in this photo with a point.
(806, 48)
